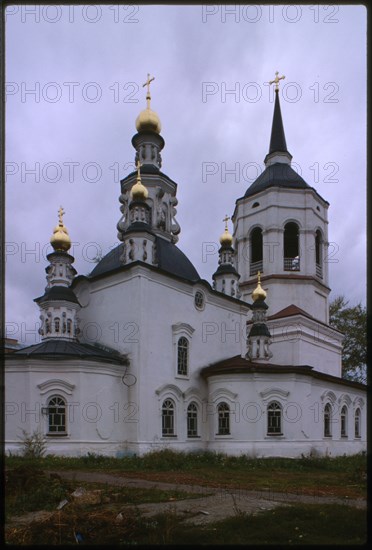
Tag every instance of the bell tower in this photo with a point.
(160, 198)
(281, 230)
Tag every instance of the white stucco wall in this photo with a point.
(115, 409)
(277, 206)
(94, 394)
(298, 340)
(302, 399)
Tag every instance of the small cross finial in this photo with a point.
(258, 277)
(276, 80)
(60, 215)
(147, 83)
(226, 219)
(138, 170)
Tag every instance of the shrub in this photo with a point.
(33, 445)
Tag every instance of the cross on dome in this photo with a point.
(147, 83)
(60, 215)
(226, 219)
(276, 80)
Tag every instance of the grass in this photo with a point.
(168, 460)
(340, 476)
(299, 524)
(291, 525)
(32, 488)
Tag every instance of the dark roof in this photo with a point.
(259, 329)
(139, 226)
(173, 260)
(57, 293)
(259, 304)
(277, 175)
(150, 169)
(226, 268)
(170, 259)
(64, 349)
(239, 365)
(277, 141)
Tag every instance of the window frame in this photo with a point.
(223, 419)
(61, 411)
(274, 411)
(165, 414)
(343, 421)
(319, 253)
(180, 330)
(291, 247)
(199, 300)
(57, 325)
(183, 346)
(327, 420)
(357, 427)
(256, 251)
(192, 418)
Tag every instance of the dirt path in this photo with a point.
(214, 505)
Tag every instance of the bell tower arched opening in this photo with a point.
(291, 250)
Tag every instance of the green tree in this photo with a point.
(352, 322)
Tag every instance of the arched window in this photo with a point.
(256, 251)
(291, 247)
(274, 419)
(318, 254)
(69, 326)
(344, 421)
(327, 420)
(57, 415)
(192, 420)
(56, 324)
(167, 417)
(182, 356)
(357, 420)
(223, 419)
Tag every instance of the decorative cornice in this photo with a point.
(272, 392)
(56, 384)
(169, 388)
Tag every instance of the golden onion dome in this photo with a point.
(148, 121)
(226, 238)
(60, 240)
(139, 191)
(258, 293)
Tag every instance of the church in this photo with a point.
(244, 364)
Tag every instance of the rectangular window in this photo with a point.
(274, 419)
(327, 426)
(223, 419)
(168, 425)
(182, 356)
(343, 426)
(57, 416)
(192, 421)
(344, 422)
(167, 418)
(357, 423)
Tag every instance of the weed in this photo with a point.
(33, 445)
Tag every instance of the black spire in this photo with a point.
(277, 142)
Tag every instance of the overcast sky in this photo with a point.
(74, 79)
